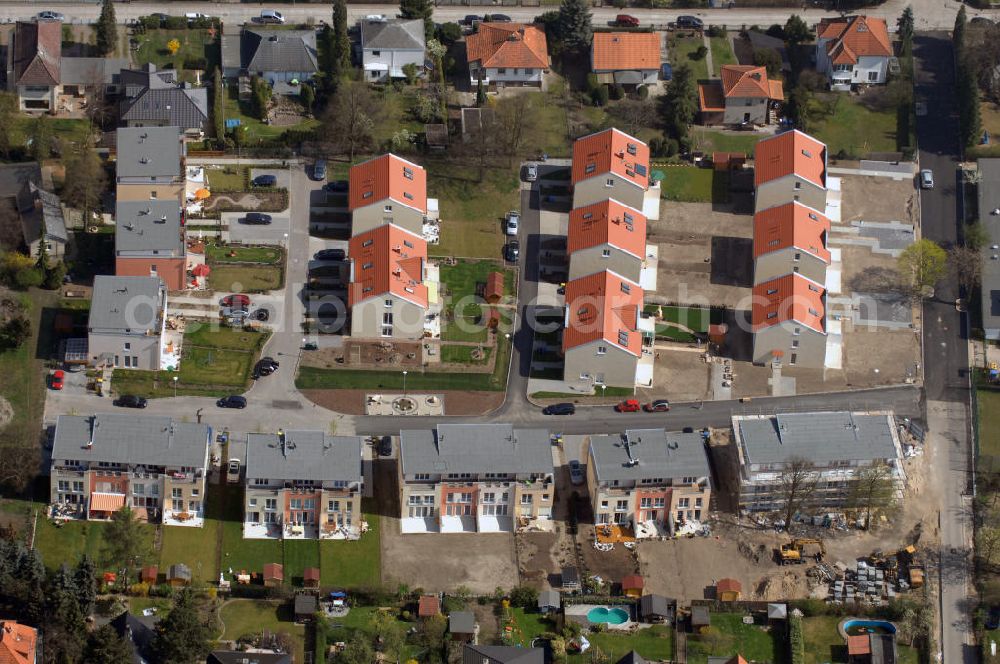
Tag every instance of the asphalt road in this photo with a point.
(946, 358)
(930, 14)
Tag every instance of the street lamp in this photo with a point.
(175, 385)
(404, 381)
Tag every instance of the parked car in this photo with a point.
(233, 471)
(236, 300)
(50, 16)
(271, 16)
(234, 314)
(130, 401)
(56, 379)
(384, 446)
(512, 222)
(559, 409)
(531, 173)
(336, 185)
(194, 16)
(232, 401)
(512, 251)
(498, 18)
(993, 619)
(256, 219)
(330, 255)
(626, 21)
(265, 367)
(265, 181)
(690, 22)
(576, 475)
(628, 406)
(471, 19)
(666, 72)
(927, 179)
(658, 406)
(375, 17)
(319, 169)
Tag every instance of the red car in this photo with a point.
(628, 406)
(56, 379)
(626, 21)
(236, 301)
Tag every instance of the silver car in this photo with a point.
(576, 472)
(512, 223)
(926, 179)
(531, 173)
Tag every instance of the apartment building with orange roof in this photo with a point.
(612, 164)
(607, 236)
(789, 167)
(389, 294)
(744, 95)
(501, 54)
(629, 59)
(788, 318)
(790, 238)
(18, 643)
(853, 50)
(387, 190)
(605, 334)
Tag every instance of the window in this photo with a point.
(367, 194)
(367, 243)
(697, 502)
(688, 480)
(270, 503)
(772, 314)
(177, 492)
(128, 346)
(137, 489)
(590, 168)
(529, 71)
(658, 502)
(407, 244)
(78, 487)
(502, 70)
(387, 318)
(646, 503)
(872, 76)
(252, 502)
(798, 256)
(422, 476)
(387, 208)
(310, 504)
(367, 266)
(527, 498)
(632, 148)
(376, 53)
(797, 330)
(514, 71)
(601, 350)
(388, 304)
(610, 182)
(683, 502)
(194, 492)
(621, 506)
(604, 504)
(63, 485)
(622, 338)
(407, 195)
(813, 312)
(795, 358)
(795, 343)
(407, 173)
(772, 291)
(798, 185)
(605, 253)
(152, 195)
(296, 503)
(626, 288)
(774, 243)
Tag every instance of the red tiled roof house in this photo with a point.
(387, 294)
(788, 317)
(629, 59)
(790, 167)
(18, 643)
(853, 50)
(602, 342)
(790, 238)
(743, 96)
(387, 190)
(606, 236)
(612, 164)
(507, 54)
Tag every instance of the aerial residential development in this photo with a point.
(508, 334)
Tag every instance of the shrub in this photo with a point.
(716, 31)
(796, 641)
(599, 95)
(592, 82)
(150, 22)
(671, 147)
(196, 63)
(617, 91)
(700, 53)
(176, 23)
(643, 92)
(524, 596)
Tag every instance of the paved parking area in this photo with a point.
(283, 175)
(274, 233)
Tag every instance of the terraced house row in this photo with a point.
(606, 338)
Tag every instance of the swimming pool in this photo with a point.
(857, 627)
(601, 614)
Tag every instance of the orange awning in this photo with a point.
(106, 502)
(202, 194)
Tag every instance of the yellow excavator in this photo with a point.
(798, 550)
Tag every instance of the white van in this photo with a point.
(271, 16)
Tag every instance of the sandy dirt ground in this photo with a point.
(683, 375)
(352, 402)
(878, 199)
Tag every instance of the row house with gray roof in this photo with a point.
(154, 98)
(837, 445)
(155, 465)
(652, 480)
(466, 478)
(126, 322)
(303, 485)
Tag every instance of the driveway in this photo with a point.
(274, 233)
(284, 175)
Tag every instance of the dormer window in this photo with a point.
(367, 266)
(626, 288)
(632, 149)
(407, 173)
(367, 243)
(590, 168)
(807, 153)
(367, 194)
(407, 195)
(772, 314)
(588, 215)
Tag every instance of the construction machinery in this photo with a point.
(909, 559)
(799, 550)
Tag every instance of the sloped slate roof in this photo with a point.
(395, 34)
(263, 50)
(37, 52)
(179, 107)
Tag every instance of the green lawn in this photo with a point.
(708, 141)
(245, 278)
(459, 287)
(230, 178)
(549, 122)
(728, 636)
(471, 211)
(223, 336)
(722, 53)
(463, 354)
(24, 375)
(852, 128)
(825, 645)
(67, 130)
(312, 378)
(529, 626)
(249, 555)
(238, 254)
(214, 366)
(695, 318)
(298, 555)
(356, 563)
(681, 50)
(989, 423)
(655, 644)
(195, 44)
(687, 183)
(67, 543)
(195, 547)
(247, 616)
(255, 131)
(990, 635)
(989, 118)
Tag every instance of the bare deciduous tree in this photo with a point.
(987, 545)
(351, 118)
(512, 114)
(634, 114)
(798, 485)
(873, 488)
(966, 264)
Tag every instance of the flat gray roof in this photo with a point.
(149, 152)
(149, 226)
(661, 454)
(125, 305)
(303, 455)
(134, 439)
(989, 200)
(819, 437)
(475, 448)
